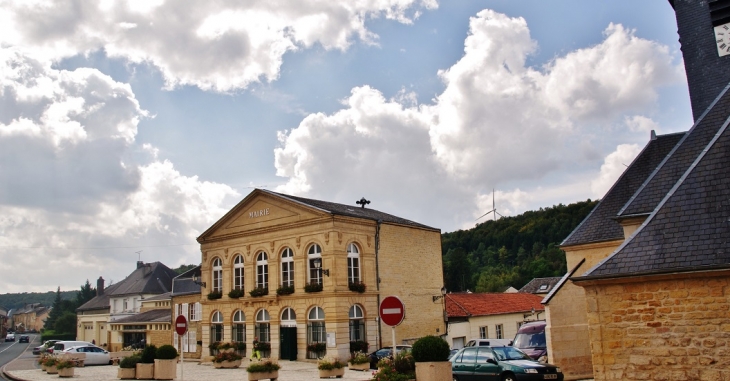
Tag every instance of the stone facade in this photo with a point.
(31, 317)
(670, 327)
(195, 327)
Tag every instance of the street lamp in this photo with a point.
(437, 297)
(318, 267)
(196, 280)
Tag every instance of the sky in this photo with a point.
(127, 128)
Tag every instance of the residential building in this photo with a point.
(313, 271)
(93, 316)
(488, 315)
(31, 317)
(186, 298)
(152, 325)
(540, 286)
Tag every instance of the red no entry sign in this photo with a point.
(181, 325)
(392, 311)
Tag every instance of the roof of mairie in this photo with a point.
(151, 316)
(690, 228)
(600, 225)
(476, 304)
(666, 176)
(149, 278)
(540, 285)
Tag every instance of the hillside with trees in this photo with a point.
(510, 251)
(18, 300)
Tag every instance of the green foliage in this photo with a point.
(512, 250)
(357, 287)
(148, 354)
(359, 346)
(263, 366)
(226, 356)
(386, 372)
(330, 364)
(184, 268)
(65, 364)
(52, 335)
(430, 348)
(50, 361)
(213, 295)
(66, 322)
(404, 362)
(19, 300)
(359, 358)
(166, 352)
(259, 291)
(235, 294)
(130, 362)
(313, 287)
(285, 290)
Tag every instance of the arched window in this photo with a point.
(316, 333)
(238, 272)
(216, 327)
(239, 327)
(357, 323)
(314, 258)
(287, 268)
(262, 270)
(288, 318)
(263, 328)
(217, 275)
(353, 264)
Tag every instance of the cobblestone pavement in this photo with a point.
(193, 371)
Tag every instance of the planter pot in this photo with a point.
(44, 368)
(433, 371)
(363, 367)
(51, 370)
(165, 369)
(145, 371)
(263, 376)
(332, 373)
(227, 364)
(126, 373)
(66, 372)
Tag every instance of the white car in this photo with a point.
(94, 354)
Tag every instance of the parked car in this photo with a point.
(24, 339)
(46, 347)
(61, 346)
(500, 364)
(530, 338)
(488, 343)
(94, 354)
(10, 337)
(385, 352)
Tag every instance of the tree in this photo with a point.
(56, 309)
(87, 293)
(66, 323)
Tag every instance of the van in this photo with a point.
(60, 346)
(489, 343)
(530, 338)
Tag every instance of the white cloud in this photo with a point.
(613, 166)
(498, 123)
(219, 46)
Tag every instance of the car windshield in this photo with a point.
(530, 340)
(509, 353)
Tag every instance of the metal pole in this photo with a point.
(182, 358)
(393, 342)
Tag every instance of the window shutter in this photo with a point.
(185, 311)
(175, 340)
(198, 311)
(192, 342)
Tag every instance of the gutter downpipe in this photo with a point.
(377, 279)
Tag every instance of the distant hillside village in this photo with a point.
(640, 292)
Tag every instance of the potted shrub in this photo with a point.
(227, 360)
(128, 367)
(285, 290)
(50, 364)
(313, 287)
(359, 361)
(213, 295)
(214, 348)
(65, 368)
(235, 294)
(357, 287)
(259, 291)
(263, 370)
(165, 363)
(145, 369)
(330, 368)
(431, 354)
(41, 361)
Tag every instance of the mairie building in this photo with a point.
(305, 277)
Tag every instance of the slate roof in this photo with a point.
(183, 284)
(540, 285)
(151, 316)
(165, 296)
(485, 304)
(99, 302)
(690, 228)
(600, 225)
(147, 278)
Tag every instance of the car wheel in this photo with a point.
(509, 377)
(454, 378)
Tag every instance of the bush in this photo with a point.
(50, 361)
(56, 336)
(285, 290)
(214, 345)
(264, 366)
(130, 362)
(213, 295)
(166, 352)
(235, 294)
(313, 287)
(259, 291)
(226, 356)
(329, 364)
(148, 354)
(403, 363)
(387, 372)
(430, 348)
(65, 364)
(357, 287)
(359, 358)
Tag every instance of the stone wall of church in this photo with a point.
(671, 327)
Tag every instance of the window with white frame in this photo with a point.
(196, 311)
(314, 258)
(500, 331)
(316, 332)
(353, 264)
(263, 326)
(216, 327)
(357, 323)
(217, 275)
(287, 268)
(288, 318)
(238, 331)
(483, 332)
(262, 270)
(238, 272)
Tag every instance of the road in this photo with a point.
(11, 350)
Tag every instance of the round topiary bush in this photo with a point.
(430, 349)
(148, 354)
(166, 352)
(130, 362)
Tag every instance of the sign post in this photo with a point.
(392, 312)
(181, 328)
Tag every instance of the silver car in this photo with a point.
(94, 354)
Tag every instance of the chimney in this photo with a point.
(100, 286)
(140, 264)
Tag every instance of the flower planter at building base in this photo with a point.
(433, 371)
(338, 373)
(51, 370)
(126, 373)
(361, 367)
(145, 371)
(227, 364)
(66, 372)
(165, 369)
(263, 376)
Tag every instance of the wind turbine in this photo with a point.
(494, 209)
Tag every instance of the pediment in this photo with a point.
(260, 211)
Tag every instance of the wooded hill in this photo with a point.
(510, 251)
(18, 300)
